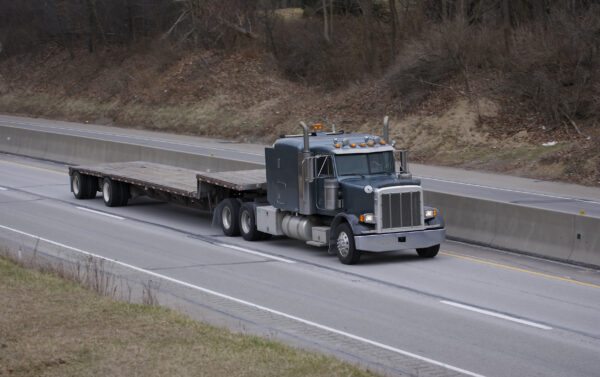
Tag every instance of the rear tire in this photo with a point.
(230, 210)
(124, 193)
(428, 252)
(112, 193)
(83, 186)
(345, 248)
(248, 223)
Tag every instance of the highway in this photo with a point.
(523, 191)
(470, 311)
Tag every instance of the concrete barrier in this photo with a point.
(79, 150)
(586, 247)
(561, 236)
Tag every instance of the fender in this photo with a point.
(352, 220)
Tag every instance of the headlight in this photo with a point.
(368, 218)
(430, 213)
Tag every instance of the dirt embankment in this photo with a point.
(244, 97)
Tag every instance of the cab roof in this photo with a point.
(322, 143)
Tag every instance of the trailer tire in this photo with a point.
(428, 252)
(124, 187)
(111, 192)
(248, 223)
(83, 186)
(344, 246)
(230, 210)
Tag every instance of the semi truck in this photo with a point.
(328, 189)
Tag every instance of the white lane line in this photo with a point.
(243, 250)
(101, 213)
(497, 315)
(3, 188)
(511, 190)
(256, 306)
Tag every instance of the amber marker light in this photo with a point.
(382, 142)
(318, 127)
(336, 145)
(363, 145)
(371, 143)
(353, 145)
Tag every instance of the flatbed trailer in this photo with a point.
(120, 181)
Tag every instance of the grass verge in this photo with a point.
(53, 327)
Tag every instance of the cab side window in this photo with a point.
(324, 167)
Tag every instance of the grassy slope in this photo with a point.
(50, 327)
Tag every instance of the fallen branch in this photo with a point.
(575, 126)
(239, 29)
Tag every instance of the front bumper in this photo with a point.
(401, 240)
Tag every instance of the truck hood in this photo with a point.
(357, 201)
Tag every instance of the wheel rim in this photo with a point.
(226, 217)
(343, 244)
(76, 184)
(245, 222)
(106, 192)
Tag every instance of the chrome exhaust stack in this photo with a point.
(305, 196)
(386, 129)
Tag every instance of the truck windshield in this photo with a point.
(364, 164)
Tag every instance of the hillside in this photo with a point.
(475, 111)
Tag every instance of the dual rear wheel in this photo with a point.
(83, 186)
(114, 193)
(240, 219)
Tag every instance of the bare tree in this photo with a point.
(325, 22)
(394, 21)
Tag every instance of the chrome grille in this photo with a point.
(400, 210)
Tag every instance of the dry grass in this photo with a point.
(52, 327)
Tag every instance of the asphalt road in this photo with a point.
(527, 192)
(471, 310)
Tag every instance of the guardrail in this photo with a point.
(556, 235)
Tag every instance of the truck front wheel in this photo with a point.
(346, 251)
(428, 252)
(229, 217)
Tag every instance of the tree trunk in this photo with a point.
(507, 27)
(330, 19)
(325, 22)
(394, 14)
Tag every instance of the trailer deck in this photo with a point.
(172, 179)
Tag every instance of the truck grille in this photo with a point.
(401, 210)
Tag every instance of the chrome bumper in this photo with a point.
(401, 240)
